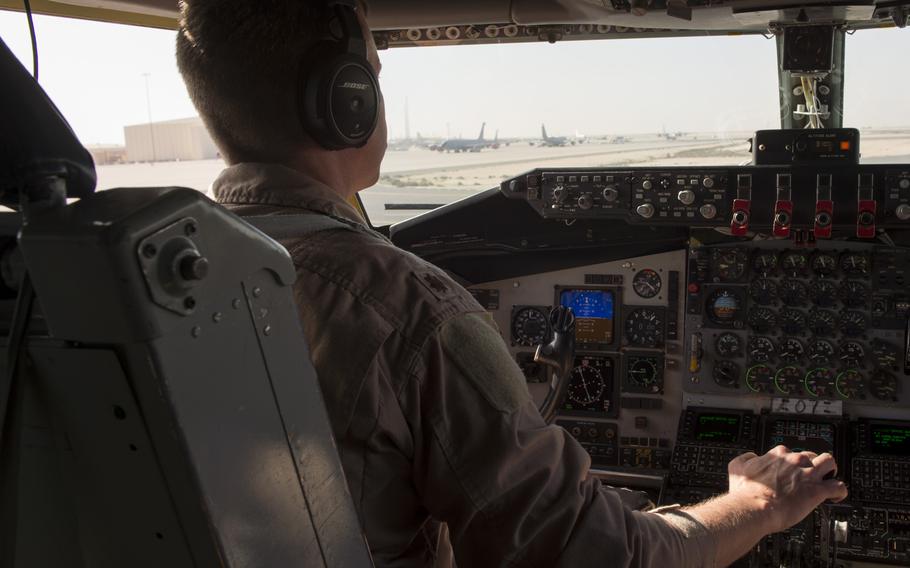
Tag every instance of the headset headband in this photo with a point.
(353, 42)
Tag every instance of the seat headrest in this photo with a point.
(35, 139)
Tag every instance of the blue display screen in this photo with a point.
(593, 311)
(588, 303)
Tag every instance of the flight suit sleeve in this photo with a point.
(513, 490)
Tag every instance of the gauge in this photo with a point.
(788, 380)
(821, 322)
(645, 328)
(723, 307)
(792, 321)
(793, 292)
(821, 352)
(823, 293)
(530, 326)
(820, 382)
(790, 350)
(762, 320)
(760, 349)
(852, 324)
(885, 354)
(793, 262)
(855, 264)
(726, 374)
(853, 293)
(851, 354)
(851, 385)
(764, 262)
(586, 386)
(731, 264)
(759, 378)
(644, 374)
(763, 291)
(883, 386)
(824, 264)
(646, 283)
(728, 345)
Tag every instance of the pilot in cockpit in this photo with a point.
(445, 453)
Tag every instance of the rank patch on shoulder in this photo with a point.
(440, 287)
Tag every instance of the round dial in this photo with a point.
(824, 264)
(530, 326)
(723, 307)
(823, 293)
(728, 345)
(646, 283)
(852, 324)
(851, 354)
(790, 350)
(731, 264)
(645, 328)
(885, 354)
(762, 320)
(793, 262)
(763, 291)
(850, 385)
(883, 386)
(760, 349)
(821, 322)
(854, 264)
(820, 382)
(793, 292)
(853, 293)
(726, 374)
(764, 262)
(586, 386)
(643, 372)
(760, 378)
(821, 352)
(788, 380)
(792, 321)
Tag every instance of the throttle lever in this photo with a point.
(559, 357)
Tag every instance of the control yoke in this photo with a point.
(558, 356)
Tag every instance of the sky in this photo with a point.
(96, 74)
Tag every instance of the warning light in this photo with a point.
(693, 288)
(845, 145)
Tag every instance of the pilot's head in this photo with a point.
(242, 61)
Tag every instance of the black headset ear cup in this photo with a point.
(338, 98)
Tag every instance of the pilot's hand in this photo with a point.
(785, 486)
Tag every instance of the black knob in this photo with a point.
(194, 267)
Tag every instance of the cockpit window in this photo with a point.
(671, 101)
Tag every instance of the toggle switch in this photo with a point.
(742, 205)
(783, 208)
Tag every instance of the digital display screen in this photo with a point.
(893, 440)
(593, 311)
(801, 435)
(717, 428)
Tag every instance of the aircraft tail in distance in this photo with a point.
(543, 132)
(482, 126)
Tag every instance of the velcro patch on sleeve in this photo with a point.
(477, 350)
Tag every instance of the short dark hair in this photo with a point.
(240, 60)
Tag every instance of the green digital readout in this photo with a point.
(893, 440)
(717, 428)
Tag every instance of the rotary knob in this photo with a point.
(686, 197)
(585, 202)
(610, 194)
(708, 210)
(645, 210)
(559, 194)
(904, 183)
(708, 182)
(647, 184)
(902, 212)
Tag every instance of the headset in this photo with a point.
(338, 94)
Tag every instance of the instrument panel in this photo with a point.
(766, 329)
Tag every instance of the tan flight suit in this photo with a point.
(432, 416)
